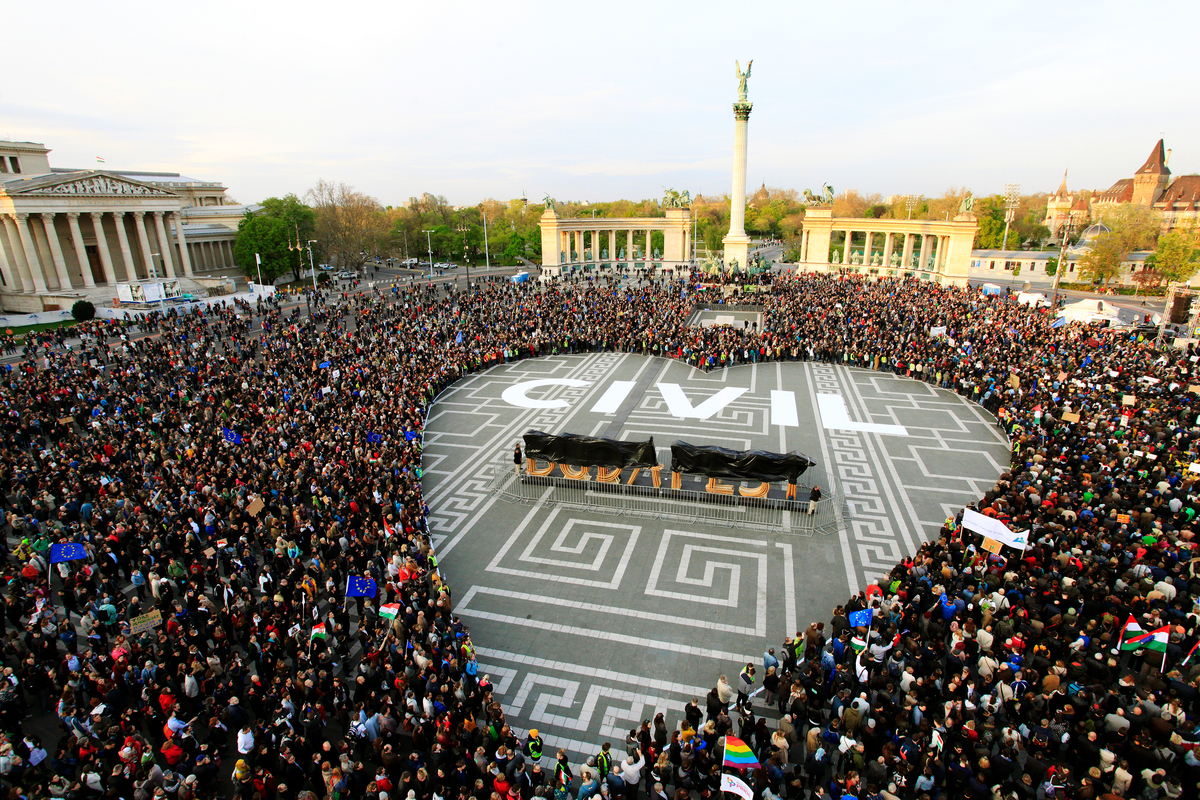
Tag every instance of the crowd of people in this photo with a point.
(223, 475)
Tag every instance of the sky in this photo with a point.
(602, 101)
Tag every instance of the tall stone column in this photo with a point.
(889, 242)
(164, 244)
(123, 240)
(24, 276)
(185, 257)
(612, 246)
(110, 274)
(31, 253)
(925, 245)
(629, 245)
(12, 277)
(846, 247)
(737, 243)
(56, 253)
(906, 259)
(85, 266)
(139, 225)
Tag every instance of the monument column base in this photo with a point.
(737, 247)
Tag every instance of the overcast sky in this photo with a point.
(605, 100)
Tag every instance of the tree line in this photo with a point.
(347, 228)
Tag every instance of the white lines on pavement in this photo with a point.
(632, 613)
(835, 417)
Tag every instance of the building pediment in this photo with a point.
(89, 184)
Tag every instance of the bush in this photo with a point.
(82, 311)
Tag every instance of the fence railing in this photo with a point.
(675, 504)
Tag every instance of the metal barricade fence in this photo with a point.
(676, 504)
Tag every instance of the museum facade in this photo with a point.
(67, 234)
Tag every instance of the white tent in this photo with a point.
(1090, 310)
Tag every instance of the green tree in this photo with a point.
(1103, 261)
(267, 237)
(280, 221)
(349, 224)
(1177, 257)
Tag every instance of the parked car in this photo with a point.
(347, 275)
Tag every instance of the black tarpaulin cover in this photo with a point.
(738, 465)
(589, 451)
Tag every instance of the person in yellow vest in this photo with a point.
(533, 748)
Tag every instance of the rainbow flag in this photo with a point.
(738, 754)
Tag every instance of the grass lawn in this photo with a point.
(19, 333)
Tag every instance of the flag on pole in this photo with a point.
(858, 644)
(1155, 640)
(1191, 653)
(391, 610)
(738, 754)
(99, 160)
(231, 435)
(68, 551)
(374, 438)
(862, 619)
(318, 632)
(387, 529)
(734, 784)
(1130, 629)
(360, 587)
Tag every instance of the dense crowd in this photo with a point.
(232, 469)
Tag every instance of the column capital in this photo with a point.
(47, 215)
(116, 212)
(73, 215)
(158, 214)
(97, 215)
(139, 214)
(20, 216)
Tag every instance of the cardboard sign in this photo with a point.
(65, 420)
(1062, 376)
(1123, 519)
(1195, 467)
(255, 507)
(1014, 381)
(295, 629)
(210, 551)
(992, 546)
(1194, 389)
(145, 622)
(1128, 399)
(222, 542)
(1070, 416)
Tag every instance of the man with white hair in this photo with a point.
(631, 773)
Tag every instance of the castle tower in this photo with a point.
(1058, 208)
(1151, 180)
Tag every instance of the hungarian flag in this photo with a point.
(318, 631)
(387, 529)
(1155, 640)
(1191, 653)
(738, 754)
(1131, 629)
(390, 610)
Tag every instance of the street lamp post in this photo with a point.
(487, 258)
(910, 202)
(1012, 195)
(429, 242)
(311, 242)
(463, 230)
(1062, 262)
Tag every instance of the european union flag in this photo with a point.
(458, 339)
(231, 435)
(374, 437)
(360, 587)
(862, 619)
(68, 551)
(325, 364)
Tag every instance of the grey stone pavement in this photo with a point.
(589, 623)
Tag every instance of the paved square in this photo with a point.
(589, 623)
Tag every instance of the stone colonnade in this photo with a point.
(58, 251)
(937, 250)
(592, 241)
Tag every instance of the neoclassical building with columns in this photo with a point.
(68, 234)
